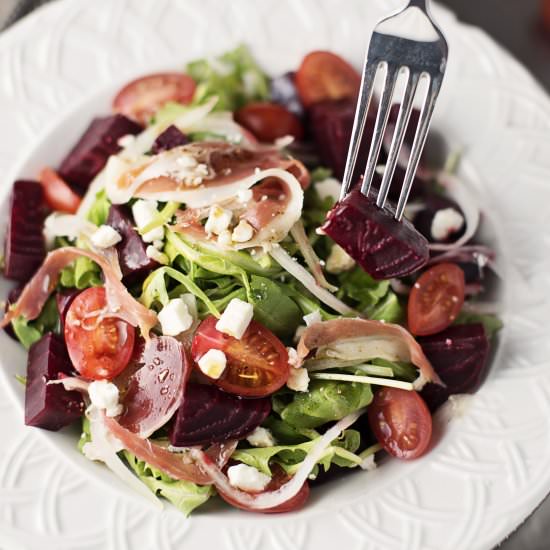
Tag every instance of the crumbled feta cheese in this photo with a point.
(247, 478)
(293, 359)
(445, 223)
(158, 244)
(175, 318)
(298, 379)
(339, 260)
(299, 332)
(191, 303)
(155, 254)
(261, 437)
(236, 318)
(126, 141)
(104, 395)
(312, 318)
(224, 238)
(144, 213)
(213, 363)
(243, 232)
(328, 188)
(218, 219)
(368, 463)
(244, 195)
(186, 161)
(105, 236)
(284, 141)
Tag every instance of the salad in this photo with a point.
(194, 295)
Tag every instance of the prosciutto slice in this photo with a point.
(364, 339)
(120, 302)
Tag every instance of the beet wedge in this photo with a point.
(169, 139)
(459, 355)
(50, 406)
(383, 247)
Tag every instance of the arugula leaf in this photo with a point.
(184, 495)
(99, 211)
(325, 401)
(401, 370)
(491, 323)
(29, 332)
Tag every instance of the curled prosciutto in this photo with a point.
(382, 246)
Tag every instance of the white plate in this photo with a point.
(59, 67)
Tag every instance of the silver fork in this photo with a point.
(398, 54)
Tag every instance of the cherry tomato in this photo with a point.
(269, 121)
(59, 196)
(279, 478)
(401, 422)
(436, 299)
(324, 75)
(141, 98)
(257, 364)
(99, 347)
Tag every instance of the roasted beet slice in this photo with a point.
(330, 124)
(134, 262)
(25, 249)
(170, 138)
(209, 415)
(383, 247)
(91, 152)
(63, 299)
(50, 406)
(283, 91)
(459, 356)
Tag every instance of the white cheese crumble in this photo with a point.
(244, 195)
(261, 437)
(298, 379)
(144, 213)
(243, 232)
(105, 236)
(236, 318)
(104, 395)
(218, 220)
(213, 363)
(293, 359)
(329, 187)
(445, 223)
(313, 318)
(339, 260)
(369, 463)
(224, 238)
(191, 303)
(175, 318)
(299, 332)
(155, 254)
(247, 478)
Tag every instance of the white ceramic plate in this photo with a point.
(61, 65)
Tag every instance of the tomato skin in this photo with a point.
(436, 299)
(279, 478)
(325, 75)
(401, 422)
(269, 121)
(141, 98)
(257, 364)
(59, 196)
(103, 349)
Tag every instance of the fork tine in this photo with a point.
(365, 95)
(418, 144)
(398, 137)
(380, 126)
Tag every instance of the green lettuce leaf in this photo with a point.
(184, 495)
(29, 332)
(99, 211)
(234, 77)
(491, 323)
(326, 401)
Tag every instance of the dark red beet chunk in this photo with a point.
(209, 415)
(459, 356)
(64, 299)
(96, 145)
(170, 138)
(25, 248)
(331, 123)
(134, 262)
(383, 247)
(50, 406)
(283, 91)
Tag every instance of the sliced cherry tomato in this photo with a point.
(436, 299)
(401, 422)
(59, 196)
(141, 98)
(279, 478)
(99, 347)
(269, 121)
(257, 364)
(324, 75)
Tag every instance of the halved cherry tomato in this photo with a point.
(141, 98)
(324, 75)
(257, 364)
(99, 347)
(269, 121)
(59, 196)
(401, 422)
(279, 478)
(436, 299)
